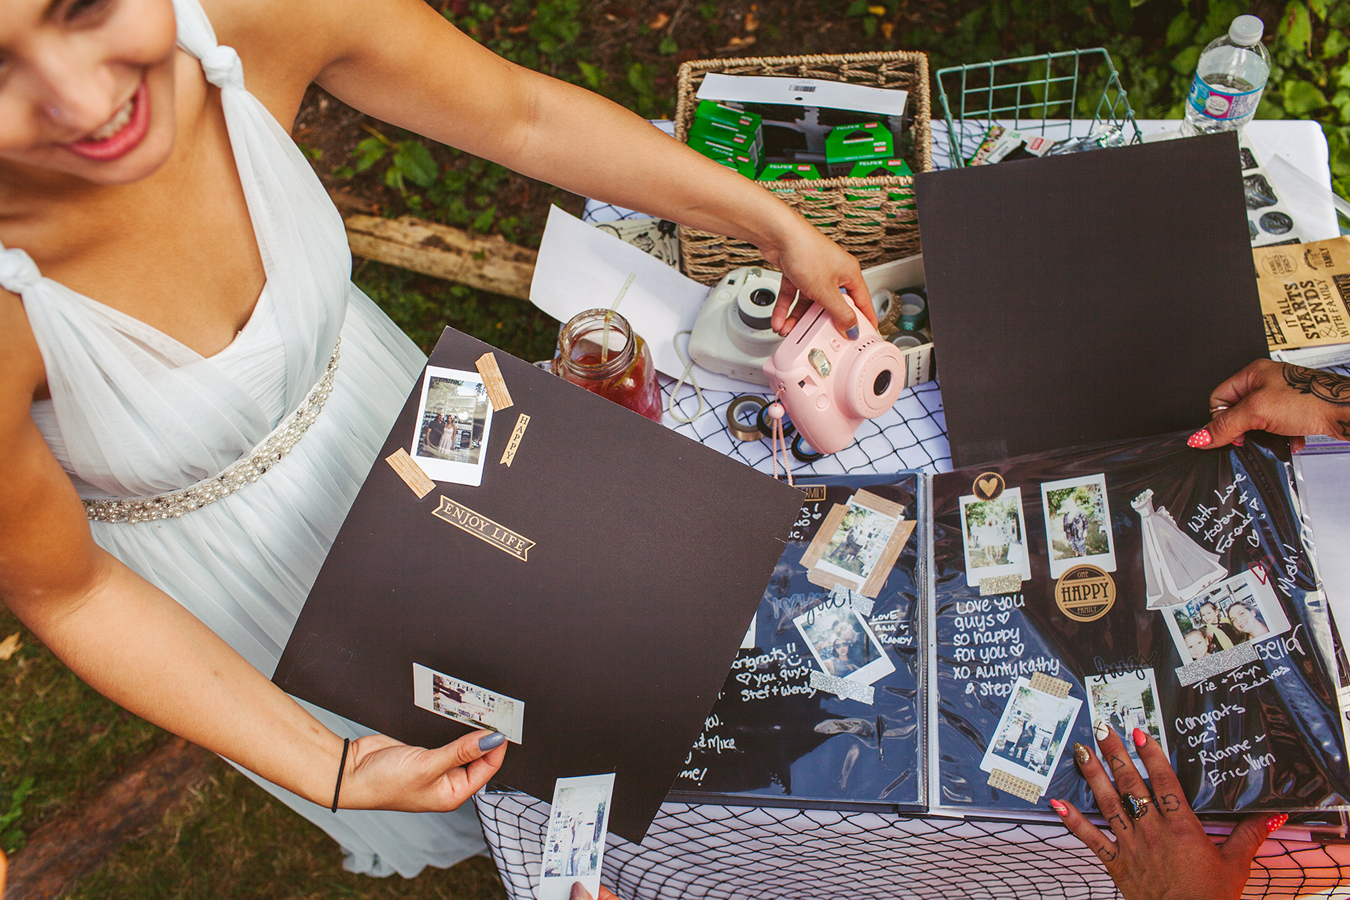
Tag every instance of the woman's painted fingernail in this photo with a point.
(1239, 440)
(1201, 438)
(1059, 807)
(491, 741)
(1140, 739)
(1081, 754)
(852, 333)
(579, 892)
(1276, 822)
(1101, 732)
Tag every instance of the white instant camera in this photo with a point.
(732, 334)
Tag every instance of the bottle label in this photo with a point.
(1214, 103)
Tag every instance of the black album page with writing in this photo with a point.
(1140, 584)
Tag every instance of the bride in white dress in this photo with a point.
(193, 390)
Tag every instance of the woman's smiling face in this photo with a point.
(86, 87)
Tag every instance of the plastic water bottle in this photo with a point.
(1229, 79)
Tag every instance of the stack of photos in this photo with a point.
(1239, 610)
(1078, 524)
(1126, 701)
(454, 420)
(1031, 736)
(468, 703)
(574, 842)
(995, 536)
(843, 644)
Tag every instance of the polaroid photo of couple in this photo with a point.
(574, 840)
(1032, 735)
(454, 420)
(843, 644)
(1126, 701)
(995, 537)
(447, 696)
(1078, 524)
(1238, 610)
(857, 544)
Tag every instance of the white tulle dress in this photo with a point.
(133, 413)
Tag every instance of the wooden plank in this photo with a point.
(62, 851)
(489, 263)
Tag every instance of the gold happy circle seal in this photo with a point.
(1085, 593)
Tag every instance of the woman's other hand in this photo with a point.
(1163, 854)
(579, 892)
(1280, 398)
(382, 773)
(819, 269)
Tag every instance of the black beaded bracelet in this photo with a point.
(342, 766)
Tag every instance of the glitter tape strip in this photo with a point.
(1000, 584)
(842, 687)
(1018, 787)
(242, 472)
(863, 606)
(410, 472)
(1052, 686)
(1216, 664)
(498, 395)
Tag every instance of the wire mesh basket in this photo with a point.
(1067, 94)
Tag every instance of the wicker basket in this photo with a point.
(870, 225)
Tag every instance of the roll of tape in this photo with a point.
(903, 340)
(739, 429)
(913, 310)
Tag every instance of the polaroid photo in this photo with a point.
(468, 703)
(857, 544)
(574, 841)
(843, 644)
(1032, 734)
(1126, 701)
(1078, 524)
(995, 537)
(1237, 611)
(454, 420)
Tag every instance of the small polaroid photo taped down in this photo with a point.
(454, 420)
(857, 544)
(1031, 736)
(455, 699)
(574, 840)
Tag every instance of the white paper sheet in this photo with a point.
(1324, 487)
(581, 267)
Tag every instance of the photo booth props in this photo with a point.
(787, 731)
(1232, 675)
(588, 599)
(1088, 297)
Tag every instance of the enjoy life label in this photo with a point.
(1215, 103)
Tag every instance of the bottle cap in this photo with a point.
(1246, 30)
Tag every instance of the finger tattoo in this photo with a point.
(1119, 824)
(1117, 762)
(1170, 802)
(1105, 853)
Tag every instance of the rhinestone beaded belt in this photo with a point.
(243, 471)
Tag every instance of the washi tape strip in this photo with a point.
(863, 606)
(1050, 685)
(410, 472)
(842, 687)
(1018, 787)
(517, 433)
(1216, 664)
(498, 395)
(1000, 584)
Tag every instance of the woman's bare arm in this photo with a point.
(140, 648)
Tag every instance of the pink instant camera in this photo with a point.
(829, 384)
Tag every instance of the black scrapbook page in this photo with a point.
(1147, 585)
(569, 574)
(844, 602)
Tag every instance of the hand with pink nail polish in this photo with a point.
(1279, 398)
(1153, 847)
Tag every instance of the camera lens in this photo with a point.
(883, 381)
(762, 297)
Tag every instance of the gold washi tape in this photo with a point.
(516, 434)
(1048, 684)
(1000, 584)
(410, 472)
(1018, 787)
(493, 382)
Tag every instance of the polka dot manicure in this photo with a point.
(1200, 439)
